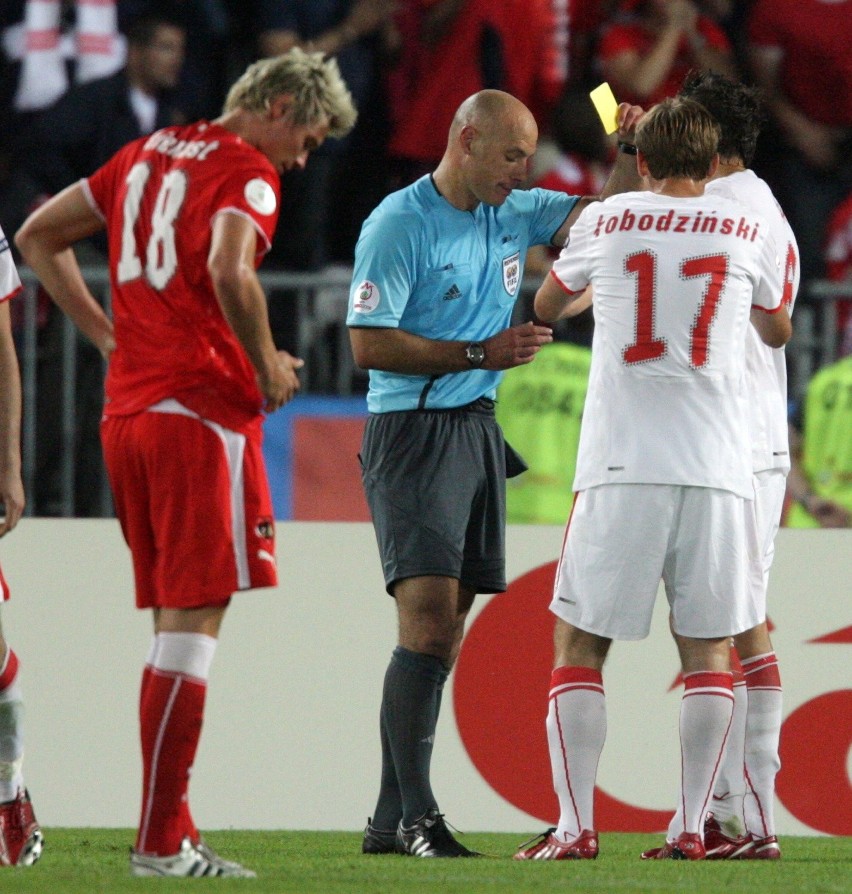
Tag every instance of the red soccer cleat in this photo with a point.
(718, 845)
(762, 849)
(687, 846)
(21, 841)
(549, 847)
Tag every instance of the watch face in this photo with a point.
(475, 354)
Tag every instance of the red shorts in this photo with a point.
(4, 588)
(194, 505)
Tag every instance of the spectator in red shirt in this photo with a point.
(578, 26)
(646, 56)
(838, 267)
(799, 55)
(451, 49)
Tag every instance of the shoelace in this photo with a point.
(450, 826)
(542, 836)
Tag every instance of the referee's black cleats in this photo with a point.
(430, 837)
(378, 841)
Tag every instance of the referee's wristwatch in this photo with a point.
(475, 354)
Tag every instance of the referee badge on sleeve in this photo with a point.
(365, 297)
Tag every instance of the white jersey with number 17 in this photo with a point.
(674, 281)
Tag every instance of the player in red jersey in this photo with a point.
(189, 213)
(21, 841)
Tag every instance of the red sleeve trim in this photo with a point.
(12, 294)
(769, 310)
(563, 286)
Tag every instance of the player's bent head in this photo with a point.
(678, 138)
(736, 106)
(313, 80)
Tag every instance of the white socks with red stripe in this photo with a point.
(11, 728)
(730, 788)
(576, 731)
(763, 731)
(705, 719)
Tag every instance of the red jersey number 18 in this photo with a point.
(160, 253)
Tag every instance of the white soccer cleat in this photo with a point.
(193, 860)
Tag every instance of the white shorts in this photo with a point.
(763, 517)
(622, 539)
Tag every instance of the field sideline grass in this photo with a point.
(87, 861)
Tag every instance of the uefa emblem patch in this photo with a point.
(260, 196)
(512, 273)
(365, 297)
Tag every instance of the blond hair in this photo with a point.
(313, 80)
(678, 138)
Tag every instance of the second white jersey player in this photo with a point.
(767, 367)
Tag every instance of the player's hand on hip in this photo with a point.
(283, 384)
(107, 346)
(515, 346)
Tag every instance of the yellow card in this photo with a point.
(606, 106)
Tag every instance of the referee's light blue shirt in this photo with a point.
(426, 267)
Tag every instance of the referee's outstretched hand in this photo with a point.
(515, 346)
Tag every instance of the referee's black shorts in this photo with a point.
(435, 481)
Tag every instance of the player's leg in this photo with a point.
(171, 714)
(576, 732)
(725, 837)
(21, 840)
(605, 588)
(763, 731)
(11, 721)
(705, 580)
(194, 507)
(705, 719)
(726, 826)
(576, 724)
(763, 680)
(726, 822)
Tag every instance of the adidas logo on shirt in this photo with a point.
(452, 293)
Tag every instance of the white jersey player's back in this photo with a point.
(674, 281)
(767, 367)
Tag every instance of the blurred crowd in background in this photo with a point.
(82, 77)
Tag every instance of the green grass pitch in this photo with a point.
(87, 861)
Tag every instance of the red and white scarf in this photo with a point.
(96, 45)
